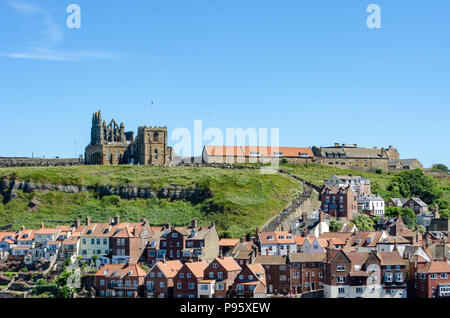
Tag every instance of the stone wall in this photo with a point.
(38, 162)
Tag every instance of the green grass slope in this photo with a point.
(241, 199)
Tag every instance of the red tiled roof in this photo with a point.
(197, 268)
(245, 151)
(435, 267)
(169, 268)
(228, 242)
(229, 263)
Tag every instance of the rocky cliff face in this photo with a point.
(9, 188)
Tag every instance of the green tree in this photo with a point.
(445, 214)
(363, 222)
(378, 171)
(335, 226)
(440, 167)
(415, 183)
(408, 215)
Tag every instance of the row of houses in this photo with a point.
(113, 242)
(346, 156)
(342, 265)
(191, 261)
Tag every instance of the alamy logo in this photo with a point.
(374, 19)
(74, 19)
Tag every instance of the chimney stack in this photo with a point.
(42, 225)
(167, 226)
(194, 223)
(116, 219)
(77, 223)
(321, 216)
(88, 220)
(23, 228)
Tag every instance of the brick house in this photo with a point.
(159, 280)
(278, 273)
(187, 279)
(432, 280)
(364, 275)
(222, 271)
(250, 283)
(119, 280)
(197, 243)
(339, 202)
(306, 271)
(129, 241)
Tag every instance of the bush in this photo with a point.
(335, 226)
(378, 171)
(284, 161)
(363, 223)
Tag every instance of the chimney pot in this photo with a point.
(117, 219)
(194, 223)
(88, 220)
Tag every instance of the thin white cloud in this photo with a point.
(52, 35)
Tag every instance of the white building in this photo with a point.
(372, 204)
(277, 243)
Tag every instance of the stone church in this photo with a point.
(112, 145)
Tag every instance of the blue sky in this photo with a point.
(311, 68)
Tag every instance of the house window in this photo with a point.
(204, 287)
(433, 276)
(340, 268)
(341, 279)
(283, 278)
(250, 277)
(220, 286)
(191, 286)
(359, 290)
(219, 275)
(161, 284)
(174, 234)
(102, 282)
(188, 275)
(181, 275)
(341, 290)
(215, 265)
(282, 268)
(179, 285)
(211, 275)
(444, 275)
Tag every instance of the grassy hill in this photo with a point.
(241, 199)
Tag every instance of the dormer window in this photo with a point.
(254, 154)
(270, 237)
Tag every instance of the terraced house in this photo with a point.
(198, 243)
(159, 280)
(119, 280)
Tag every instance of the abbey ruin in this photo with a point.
(112, 145)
